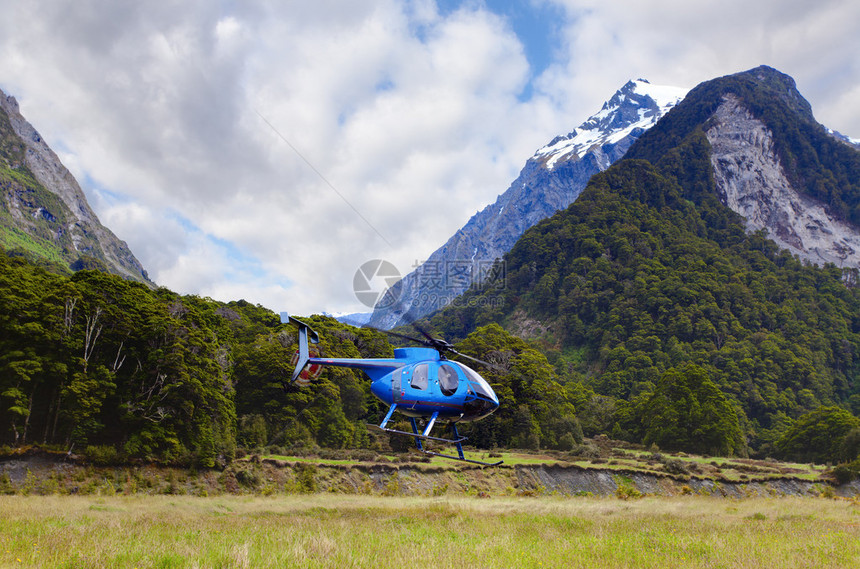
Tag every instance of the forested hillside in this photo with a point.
(648, 291)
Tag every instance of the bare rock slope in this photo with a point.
(753, 183)
(62, 230)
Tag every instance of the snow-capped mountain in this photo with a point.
(839, 136)
(636, 106)
(551, 180)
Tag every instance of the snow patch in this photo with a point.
(653, 101)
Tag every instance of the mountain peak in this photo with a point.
(773, 164)
(638, 104)
(781, 86)
(551, 180)
(9, 102)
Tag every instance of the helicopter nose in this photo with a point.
(480, 407)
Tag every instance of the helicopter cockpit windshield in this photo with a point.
(480, 399)
(477, 384)
(419, 377)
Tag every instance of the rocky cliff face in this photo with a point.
(551, 180)
(63, 230)
(752, 182)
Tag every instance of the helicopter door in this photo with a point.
(420, 377)
(397, 385)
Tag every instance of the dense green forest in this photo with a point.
(93, 359)
(649, 292)
(109, 368)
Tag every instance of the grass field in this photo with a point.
(332, 530)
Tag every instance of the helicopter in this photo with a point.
(420, 383)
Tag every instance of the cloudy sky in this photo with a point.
(266, 149)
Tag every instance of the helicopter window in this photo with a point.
(478, 385)
(419, 377)
(448, 381)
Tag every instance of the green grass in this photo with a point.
(322, 530)
(12, 237)
(311, 460)
(21, 175)
(728, 468)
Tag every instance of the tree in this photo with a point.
(820, 436)
(687, 412)
(534, 409)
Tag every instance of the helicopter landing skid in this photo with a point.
(425, 435)
(416, 435)
(462, 459)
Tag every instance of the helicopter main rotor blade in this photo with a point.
(426, 334)
(438, 344)
(397, 334)
(405, 337)
(476, 360)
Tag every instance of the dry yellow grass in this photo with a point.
(325, 530)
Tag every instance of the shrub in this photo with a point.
(675, 466)
(566, 442)
(102, 455)
(249, 477)
(822, 435)
(586, 451)
(306, 478)
(6, 484)
(627, 492)
(845, 473)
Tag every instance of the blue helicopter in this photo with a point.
(420, 383)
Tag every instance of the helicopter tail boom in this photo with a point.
(374, 368)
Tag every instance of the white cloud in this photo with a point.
(684, 43)
(178, 117)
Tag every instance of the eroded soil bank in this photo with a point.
(40, 474)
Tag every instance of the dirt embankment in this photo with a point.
(573, 480)
(55, 474)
